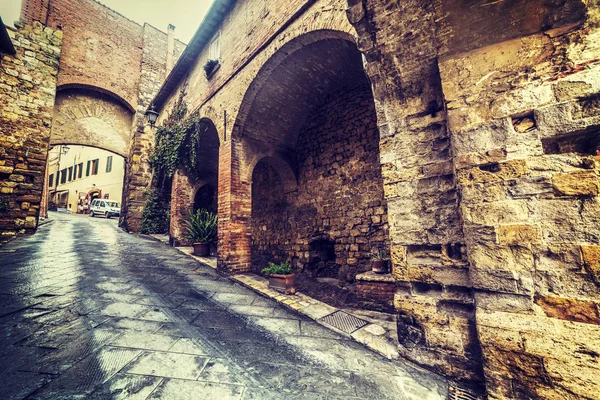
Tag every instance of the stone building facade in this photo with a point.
(483, 185)
(83, 75)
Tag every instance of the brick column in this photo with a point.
(235, 207)
(182, 202)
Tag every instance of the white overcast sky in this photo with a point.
(186, 15)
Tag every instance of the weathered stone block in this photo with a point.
(570, 309)
(518, 235)
(591, 259)
(582, 183)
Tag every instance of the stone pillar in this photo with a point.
(138, 173)
(27, 96)
(434, 301)
(235, 198)
(524, 117)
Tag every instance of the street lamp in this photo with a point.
(151, 116)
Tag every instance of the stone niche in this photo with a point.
(337, 216)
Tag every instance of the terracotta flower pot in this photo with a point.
(202, 249)
(379, 266)
(282, 283)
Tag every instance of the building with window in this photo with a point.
(79, 174)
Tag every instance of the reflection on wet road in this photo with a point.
(89, 311)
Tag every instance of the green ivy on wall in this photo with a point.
(176, 145)
(156, 213)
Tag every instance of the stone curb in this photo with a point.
(373, 336)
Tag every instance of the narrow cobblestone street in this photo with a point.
(89, 311)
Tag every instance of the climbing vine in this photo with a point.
(176, 146)
(156, 212)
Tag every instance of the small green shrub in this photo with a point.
(279, 269)
(202, 227)
(210, 66)
(156, 213)
(379, 255)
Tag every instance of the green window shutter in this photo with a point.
(109, 163)
(87, 169)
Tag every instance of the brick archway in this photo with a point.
(184, 188)
(310, 109)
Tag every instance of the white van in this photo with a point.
(107, 208)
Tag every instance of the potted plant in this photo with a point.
(210, 67)
(379, 262)
(202, 231)
(281, 277)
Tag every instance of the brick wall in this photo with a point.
(101, 48)
(339, 195)
(27, 91)
(104, 51)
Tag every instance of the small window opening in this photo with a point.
(585, 142)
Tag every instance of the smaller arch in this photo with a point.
(55, 143)
(90, 117)
(284, 169)
(98, 89)
(208, 149)
(205, 197)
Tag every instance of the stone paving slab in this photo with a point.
(130, 318)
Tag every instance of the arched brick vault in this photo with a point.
(285, 170)
(307, 121)
(90, 117)
(183, 188)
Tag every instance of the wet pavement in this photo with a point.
(90, 312)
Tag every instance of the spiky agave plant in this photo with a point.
(202, 227)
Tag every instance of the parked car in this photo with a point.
(106, 208)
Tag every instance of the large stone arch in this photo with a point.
(307, 147)
(90, 117)
(292, 45)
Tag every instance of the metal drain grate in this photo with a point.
(457, 393)
(344, 321)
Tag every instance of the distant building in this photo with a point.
(79, 174)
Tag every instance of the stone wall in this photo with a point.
(27, 91)
(434, 301)
(138, 174)
(488, 139)
(338, 198)
(525, 121)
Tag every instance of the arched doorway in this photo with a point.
(192, 190)
(75, 175)
(206, 198)
(314, 111)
